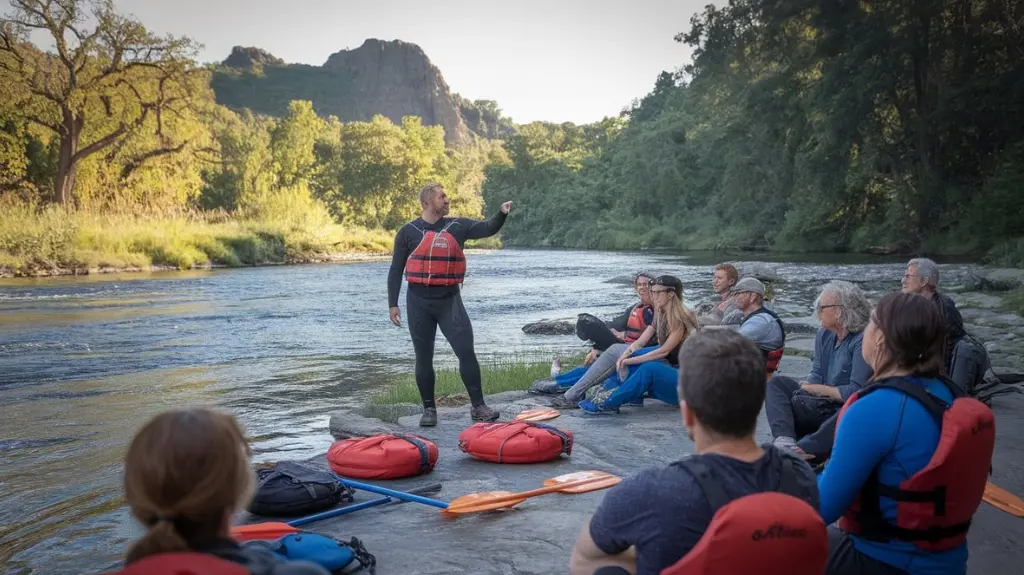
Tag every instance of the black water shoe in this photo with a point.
(429, 417)
(483, 413)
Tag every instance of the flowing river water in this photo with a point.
(85, 361)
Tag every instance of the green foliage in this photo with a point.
(505, 373)
(52, 238)
(799, 125)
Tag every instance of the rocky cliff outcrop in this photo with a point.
(391, 78)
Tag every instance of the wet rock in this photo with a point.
(977, 300)
(759, 270)
(621, 279)
(348, 424)
(563, 326)
(992, 280)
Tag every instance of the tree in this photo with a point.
(116, 75)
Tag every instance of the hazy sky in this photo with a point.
(555, 60)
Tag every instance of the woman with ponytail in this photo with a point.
(187, 472)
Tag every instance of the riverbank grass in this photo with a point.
(53, 240)
(504, 373)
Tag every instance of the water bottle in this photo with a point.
(556, 367)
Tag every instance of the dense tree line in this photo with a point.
(798, 125)
(115, 117)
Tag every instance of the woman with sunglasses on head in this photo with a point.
(911, 454)
(655, 371)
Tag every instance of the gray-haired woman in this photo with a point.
(796, 408)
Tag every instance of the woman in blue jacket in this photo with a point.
(886, 437)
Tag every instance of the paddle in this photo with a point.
(276, 529)
(579, 482)
(1003, 500)
(539, 414)
(391, 493)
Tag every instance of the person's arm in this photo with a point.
(954, 321)
(671, 342)
(860, 372)
(819, 350)
(479, 229)
(587, 557)
(864, 436)
(758, 329)
(398, 258)
(620, 321)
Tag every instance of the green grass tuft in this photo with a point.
(506, 373)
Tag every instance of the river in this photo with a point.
(85, 361)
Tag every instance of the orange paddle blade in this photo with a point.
(596, 480)
(1003, 500)
(271, 530)
(477, 502)
(580, 482)
(539, 414)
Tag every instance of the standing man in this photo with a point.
(429, 251)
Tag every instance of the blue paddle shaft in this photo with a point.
(392, 493)
(358, 506)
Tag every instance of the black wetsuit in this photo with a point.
(431, 306)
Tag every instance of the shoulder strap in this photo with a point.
(701, 471)
(788, 483)
(936, 407)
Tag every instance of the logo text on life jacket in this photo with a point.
(440, 242)
(778, 531)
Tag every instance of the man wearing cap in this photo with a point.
(760, 325)
(656, 517)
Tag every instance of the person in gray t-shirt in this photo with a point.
(758, 323)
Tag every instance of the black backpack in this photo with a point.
(289, 488)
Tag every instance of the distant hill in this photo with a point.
(392, 78)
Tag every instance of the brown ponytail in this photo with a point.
(186, 472)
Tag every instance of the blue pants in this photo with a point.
(655, 378)
(594, 374)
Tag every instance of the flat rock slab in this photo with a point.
(537, 536)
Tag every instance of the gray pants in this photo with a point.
(602, 367)
(793, 412)
(844, 559)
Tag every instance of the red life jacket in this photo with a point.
(936, 504)
(768, 533)
(774, 356)
(438, 260)
(183, 563)
(636, 324)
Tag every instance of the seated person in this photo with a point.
(794, 408)
(185, 474)
(654, 518)
(887, 435)
(600, 362)
(723, 279)
(760, 325)
(626, 328)
(651, 371)
(964, 359)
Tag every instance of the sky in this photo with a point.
(557, 61)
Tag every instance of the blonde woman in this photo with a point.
(655, 372)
